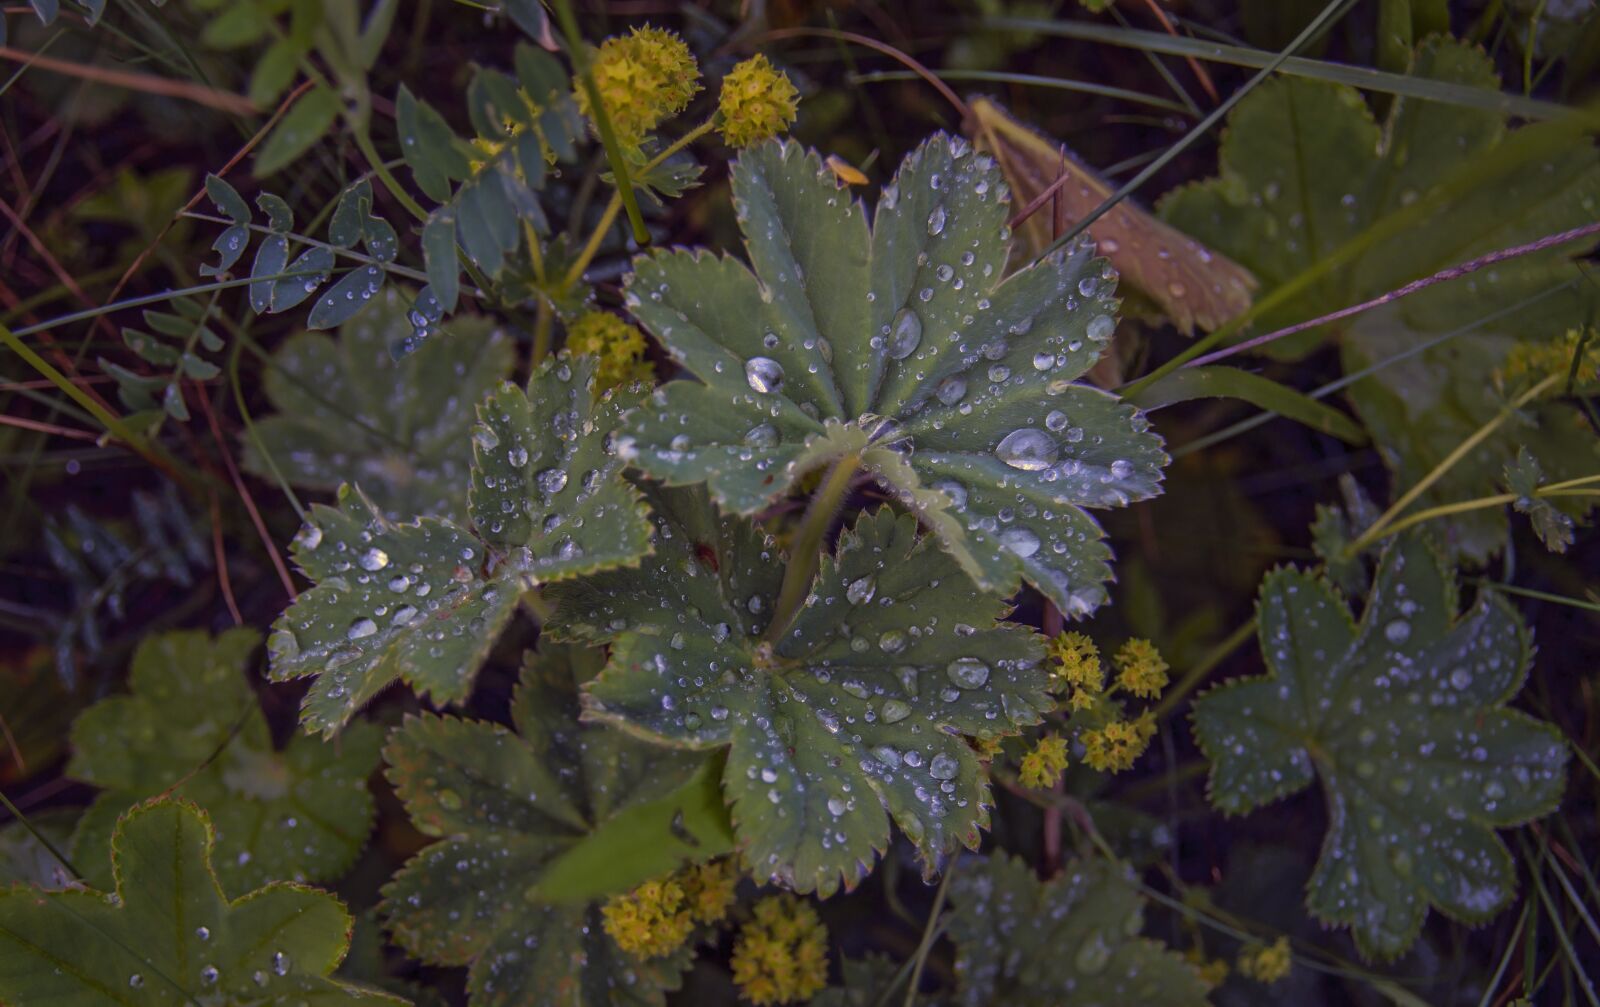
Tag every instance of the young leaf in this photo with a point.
(905, 331)
(1403, 717)
(302, 813)
(1072, 941)
(511, 811)
(1304, 169)
(168, 935)
(348, 410)
(424, 602)
(1523, 478)
(852, 716)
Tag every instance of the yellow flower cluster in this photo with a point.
(643, 78)
(1535, 359)
(619, 346)
(758, 102)
(1265, 963)
(1078, 668)
(658, 916)
(1212, 971)
(1043, 766)
(1117, 745)
(782, 954)
(1140, 669)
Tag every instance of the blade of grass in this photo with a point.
(1330, 13)
(1339, 73)
(602, 121)
(1027, 80)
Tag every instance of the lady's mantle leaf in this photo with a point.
(1304, 170)
(347, 411)
(853, 716)
(906, 332)
(425, 601)
(1071, 941)
(168, 935)
(1403, 716)
(300, 814)
(512, 812)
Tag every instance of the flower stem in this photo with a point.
(808, 543)
(1376, 531)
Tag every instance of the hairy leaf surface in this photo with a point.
(908, 333)
(853, 717)
(191, 721)
(511, 812)
(1402, 715)
(1072, 941)
(168, 935)
(424, 602)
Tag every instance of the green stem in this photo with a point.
(1194, 676)
(592, 247)
(1376, 531)
(379, 168)
(929, 932)
(541, 331)
(43, 840)
(804, 557)
(609, 215)
(602, 121)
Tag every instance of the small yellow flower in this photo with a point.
(1533, 360)
(758, 102)
(650, 921)
(1082, 699)
(1265, 963)
(1140, 669)
(1211, 971)
(1079, 664)
(1043, 766)
(619, 346)
(988, 748)
(1116, 746)
(643, 78)
(708, 890)
(781, 955)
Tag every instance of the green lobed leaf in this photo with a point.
(547, 485)
(854, 716)
(348, 411)
(1403, 717)
(168, 935)
(393, 602)
(906, 331)
(191, 725)
(1072, 941)
(1304, 169)
(511, 812)
(424, 602)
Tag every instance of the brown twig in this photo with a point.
(48, 428)
(236, 104)
(1194, 64)
(247, 499)
(223, 580)
(1442, 276)
(883, 47)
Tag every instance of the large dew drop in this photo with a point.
(967, 672)
(1027, 449)
(906, 334)
(764, 374)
